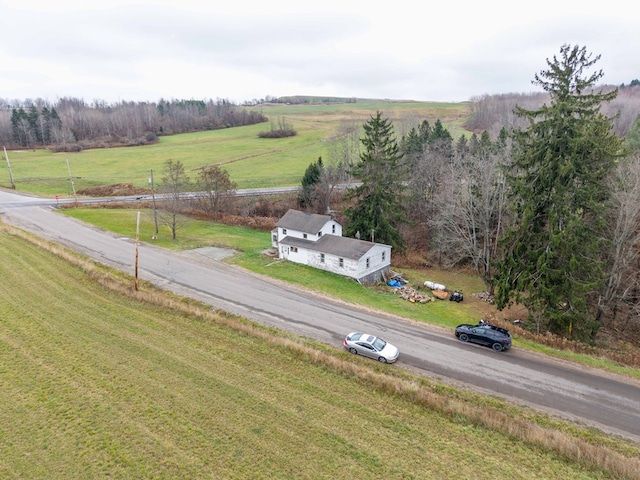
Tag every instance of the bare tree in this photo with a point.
(620, 299)
(472, 208)
(344, 148)
(332, 178)
(175, 183)
(216, 190)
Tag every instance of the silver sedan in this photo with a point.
(371, 346)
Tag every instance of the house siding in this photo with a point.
(317, 241)
(332, 264)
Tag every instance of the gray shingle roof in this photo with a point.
(303, 222)
(343, 247)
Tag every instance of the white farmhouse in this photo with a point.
(317, 241)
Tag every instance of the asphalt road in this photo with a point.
(590, 396)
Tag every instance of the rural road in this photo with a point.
(590, 396)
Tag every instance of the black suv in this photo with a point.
(485, 334)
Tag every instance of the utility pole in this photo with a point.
(13, 185)
(73, 187)
(137, 245)
(155, 211)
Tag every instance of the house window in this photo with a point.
(294, 249)
(368, 262)
(275, 238)
(322, 258)
(342, 262)
(304, 235)
(284, 231)
(333, 229)
(384, 256)
(319, 234)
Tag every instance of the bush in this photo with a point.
(278, 134)
(67, 147)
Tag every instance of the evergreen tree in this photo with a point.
(632, 140)
(310, 180)
(33, 118)
(425, 132)
(20, 127)
(462, 146)
(441, 141)
(379, 209)
(552, 255)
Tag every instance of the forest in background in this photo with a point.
(71, 124)
(491, 113)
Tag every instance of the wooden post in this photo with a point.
(137, 243)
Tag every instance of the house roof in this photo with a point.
(303, 222)
(343, 247)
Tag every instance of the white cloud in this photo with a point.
(240, 50)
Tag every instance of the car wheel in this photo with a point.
(497, 347)
(464, 337)
(382, 360)
(353, 350)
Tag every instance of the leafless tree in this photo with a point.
(493, 112)
(620, 299)
(344, 148)
(215, 189)
(471, 213)
(175, 183)
(332, 178)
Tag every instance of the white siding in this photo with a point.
(376, 261)
(295, 254)
(331, 263)
(328, 229)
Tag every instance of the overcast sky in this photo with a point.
(144, 50)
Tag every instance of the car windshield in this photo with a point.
(379, 344)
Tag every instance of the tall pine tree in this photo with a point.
(553, 253)
(378, 210)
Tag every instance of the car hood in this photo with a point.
(389, 351)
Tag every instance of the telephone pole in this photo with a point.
(155, 211)
(13, 185)
(73, 187)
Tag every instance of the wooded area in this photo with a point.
(71, 124)
(547, 210)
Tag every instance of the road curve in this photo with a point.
(590, 396)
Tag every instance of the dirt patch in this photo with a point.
(208, 254)
(114, 190)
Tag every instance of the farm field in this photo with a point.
(102, 382)
(252, 162)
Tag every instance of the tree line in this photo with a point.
(71, 124)
(547, 210)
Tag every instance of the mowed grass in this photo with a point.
(99, 382)
(250, 245)
(252, 162)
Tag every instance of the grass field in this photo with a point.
(98, 381)
(251, 162)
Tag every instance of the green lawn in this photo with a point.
(100, 384)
